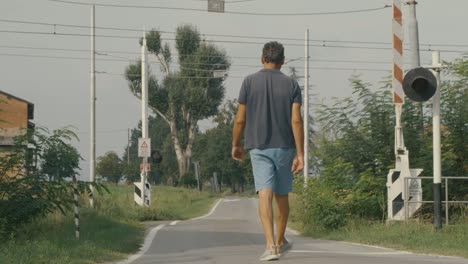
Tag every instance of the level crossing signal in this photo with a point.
(419, 84)
(156, 156)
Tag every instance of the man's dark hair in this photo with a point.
(273, 52)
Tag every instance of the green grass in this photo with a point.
(452, 240)
(168, 203)
(52, 240)
(108, 233)
(413, 236)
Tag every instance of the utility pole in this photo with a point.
(413, 34)
(415, 60)
(436, 142)
(144, 116)
(92, 156)
(306, 108)
(128, 147)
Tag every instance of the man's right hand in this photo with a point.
(298, 164)
(237, 153)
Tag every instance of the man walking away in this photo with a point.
(270, 112)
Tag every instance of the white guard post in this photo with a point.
(138, 194)
(404, 198)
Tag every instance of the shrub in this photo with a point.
(26, 192)
(330, 201)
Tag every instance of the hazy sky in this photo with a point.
(59, 88)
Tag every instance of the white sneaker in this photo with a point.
(270, 254)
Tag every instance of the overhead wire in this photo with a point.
(226, 12)
(322, 41)
(230, 2)
(221, 41)
(250, 66)
(110, 52)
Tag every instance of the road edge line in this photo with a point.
(146, 244)
(210, 212)
(398, 250)
(152, 234)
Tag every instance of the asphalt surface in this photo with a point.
(232, 234)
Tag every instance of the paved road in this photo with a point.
(231, 234)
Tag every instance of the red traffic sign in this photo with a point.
(148, 167)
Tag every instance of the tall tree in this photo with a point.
(59, 159)
(213, 150)
(109, 166)
(186, 95)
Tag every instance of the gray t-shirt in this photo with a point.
(268, 96)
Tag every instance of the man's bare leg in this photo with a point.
(265, 210)
(282, 214)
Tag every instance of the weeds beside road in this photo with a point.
(109, 232)
(419, 237)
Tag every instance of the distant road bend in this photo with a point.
(231, 234)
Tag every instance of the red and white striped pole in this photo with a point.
(75, 207)
(397, 82)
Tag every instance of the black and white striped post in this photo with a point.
(76, 210)
(437, 169)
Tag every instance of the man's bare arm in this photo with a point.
(239, 125)
(237, 131)
(298, 131)
(298, 128)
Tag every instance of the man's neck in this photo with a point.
(271, 66)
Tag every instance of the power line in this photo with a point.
(42, 56)
(100, 59)
(172, 77)
(68, 25)
(323, 41)
(109, 52)
(106, 131)
(230, 2)
(227, 12)
(229, 76)
(248, 66)
(218, 41)
(106, 52)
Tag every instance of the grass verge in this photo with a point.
(416, 237)
(108, 233)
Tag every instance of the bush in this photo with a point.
(328, 203)
(189, 180)
(321, 209)
(367, 198)
(25, 191)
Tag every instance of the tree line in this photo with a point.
(352, 147)
(354, 151)
(349, 136)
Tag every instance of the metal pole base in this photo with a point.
(437, 206)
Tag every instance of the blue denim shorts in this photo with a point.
(272, 169)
